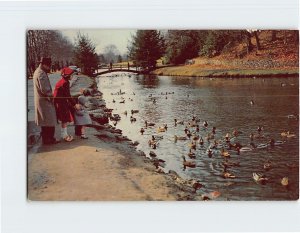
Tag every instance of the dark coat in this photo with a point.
(64, 103)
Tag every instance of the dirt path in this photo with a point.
(95, 170)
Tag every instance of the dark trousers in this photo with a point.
(48, 134)
(78, 130)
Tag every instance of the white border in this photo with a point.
(20, 216)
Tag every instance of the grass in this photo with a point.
(200, 72)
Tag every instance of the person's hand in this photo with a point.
(77, 106)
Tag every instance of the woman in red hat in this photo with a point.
(64, 103)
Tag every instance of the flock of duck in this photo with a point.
(223, 146)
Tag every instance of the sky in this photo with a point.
(103, 37)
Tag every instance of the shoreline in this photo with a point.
(107, 166)
(190, 71)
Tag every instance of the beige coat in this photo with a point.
(45, 114)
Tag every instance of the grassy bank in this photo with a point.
(204, 72)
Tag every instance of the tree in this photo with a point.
(111, 53)
(183, 44)
(120, 58)
(146, 47)
(84, 54)
(47, 43)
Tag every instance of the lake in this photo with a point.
(226, 105)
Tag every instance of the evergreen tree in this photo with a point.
(146, 47)
(85, 56)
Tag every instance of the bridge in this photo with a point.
(117, 70)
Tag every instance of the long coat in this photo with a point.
(82, 117)
(43, 99)
(64, 103)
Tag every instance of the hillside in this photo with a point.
(276, 56)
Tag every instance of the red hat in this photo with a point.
(66, 71)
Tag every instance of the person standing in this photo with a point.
(64, 103)
(82, 117)
(45, 115)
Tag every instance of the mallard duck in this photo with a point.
(188, 163)
(228, 175)
(260, 178)
(285, 181)
(191, 154)
(152, 154)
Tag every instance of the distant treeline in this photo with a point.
(177, 46)
(48, 43)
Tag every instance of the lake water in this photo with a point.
(224, 104)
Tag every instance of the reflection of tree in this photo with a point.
(149, 81)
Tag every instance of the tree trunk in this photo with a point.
(257, 40)
(273, 35)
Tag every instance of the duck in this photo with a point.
(158, 162)
(196, 184)
(260, 178)
(205, 124)
(142, 131)
(179, 137)
(235, 133)
(191, 154)
(161, 129)
(125, 113)
(225, 153)
(134, 111)
(178, 122)
(188, 163)
(251, 102)
(213, 130)
(193, 146)
(122, 102)
(152, 154)
(285, 181)
(113, 101)
(267, 166)
(132, 119)
(149, 124)
(196, 138)
(209, 153)
(289, 135)
(228, 175)
(201, 142)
